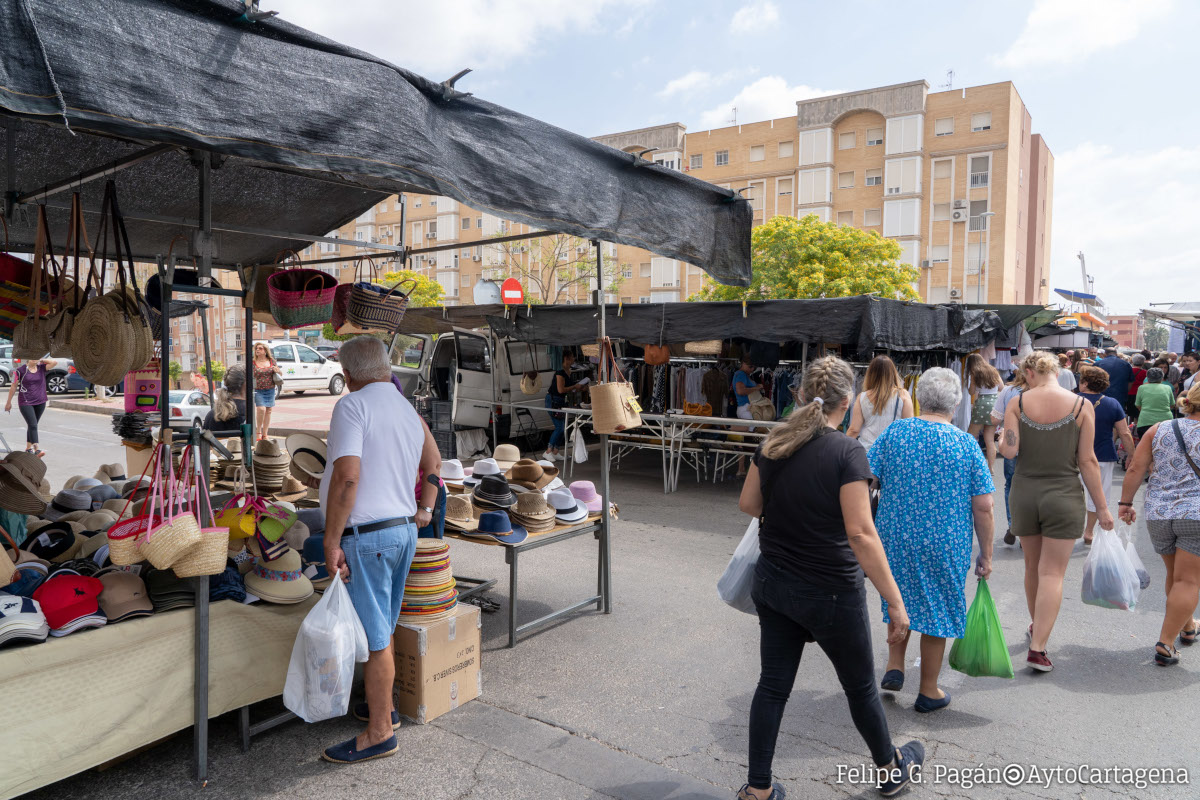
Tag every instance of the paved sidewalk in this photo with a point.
(309, 412)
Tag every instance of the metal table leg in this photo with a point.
(200, 680)
(510, 555)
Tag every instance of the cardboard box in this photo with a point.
(137, 459)
(437, 666)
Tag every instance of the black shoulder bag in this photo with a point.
(1183, 446)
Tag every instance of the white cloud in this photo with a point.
(1128, 212)
(769, 97)
(686, 84)
(754, 17)
(441, 37)
(1068, 31)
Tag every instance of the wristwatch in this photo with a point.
(427, 509)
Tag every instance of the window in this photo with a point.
(664, 272)
(644, 270)
(407, 351)
(721, 160)
(941, 212)
(814, 147)
(939, 253)
(978, 222)
(643, 299)
(696, 161)
(942, 170)
(466, 223)
(473, 353)
(845, 180)
(785, 186)
(981, 121)
(874, 177)
(979, 171)
(626, 299)
(627, 271)
(308, 355)
(872, 216)
(845, 218)
(901, 217)
(758, 152)
(418, 232)
(786, 149)
(943, 126)
(874, 136)
(524, 357)
(846, 140)
(432, 229)
(904, 134)
(417, 202)
(754, 193)
(664, 297)
(449, 283)
(814, 186)
(283, 352)
(903, 176)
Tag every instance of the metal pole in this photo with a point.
(605, 454)
(248, 425)
(203, 240)
(207, 356)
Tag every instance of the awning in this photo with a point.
(865, 323)
(1177, 312)
(1083, 298)
(327, 131)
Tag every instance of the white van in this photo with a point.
(304, 368)
(460, 367)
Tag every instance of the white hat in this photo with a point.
(566, 506)
(452, 472)
(485, 466)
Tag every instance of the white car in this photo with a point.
(304, 368)
(189, 406)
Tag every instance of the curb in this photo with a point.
(68, 405)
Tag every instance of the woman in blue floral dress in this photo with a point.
(935, 491)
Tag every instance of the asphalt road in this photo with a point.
(652, 701)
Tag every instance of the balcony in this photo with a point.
(979, 179)
(977, 224)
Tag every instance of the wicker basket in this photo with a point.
(708, 347)
(126, 536)
(374, 307)
(301, 297)
(206, 557)
(102, 341)
(168, 542)
(614, 403)
(590, 350)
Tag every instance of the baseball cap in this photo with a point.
(21, 620)
(124, 596)
(66, 598)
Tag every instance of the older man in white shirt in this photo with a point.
(376, 444)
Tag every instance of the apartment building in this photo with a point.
(226, 332)
(958, 178)
(1129, 331)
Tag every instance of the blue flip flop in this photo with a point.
(926, 704)
(363, 714)
(893, 681)
(345, 753)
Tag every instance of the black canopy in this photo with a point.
(864, 322)
(313, 133)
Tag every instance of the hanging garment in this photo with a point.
(659, 400)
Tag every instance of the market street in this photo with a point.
(652, 701)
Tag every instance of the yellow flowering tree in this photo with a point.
(804, 258)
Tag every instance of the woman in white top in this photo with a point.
(883, 401)
(984, 382)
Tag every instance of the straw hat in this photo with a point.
(506, 455)
(458, 513)
(430, 593)
(481, 469)
(530, 475)
(70, 484)
(308, 456)
(119, 507)
(83, 484)
(281, 580)
(110, 473)
(100, 520)
(291, 490)
(533, 513)
(21, 479)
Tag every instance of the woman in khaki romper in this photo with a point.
(1053, 432)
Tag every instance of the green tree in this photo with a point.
(218, 371)
(1156, 336)
(426, 293)
(804, 258)
(553, 268)
(174, 371)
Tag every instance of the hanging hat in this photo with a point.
(493, 492)
(21, 483)
(505, 456)
(83, 484)
(531, 384)
(497, 526)
(459, 513)
(70, 603)
(281, 580)
(452, 472)
(533, 513)
(110, 473)
(291, 490)
(308, 456)
(102, 494)
(68, 501)
(529, 474)
(567, 507)
(124, 596)
(585, 492)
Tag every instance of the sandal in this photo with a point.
(1187, 638)
(1171, 657)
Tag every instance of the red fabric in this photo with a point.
(1139, 377)
(66, 598)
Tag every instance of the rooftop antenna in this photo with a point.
(949, 84)
(734, 120)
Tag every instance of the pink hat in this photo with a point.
(585, 492)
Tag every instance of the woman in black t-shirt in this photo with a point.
(560, 387)
(809, 485)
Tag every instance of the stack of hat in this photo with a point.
(70, 603)
(308, 455)
(30, 575)
(493, 493)
(481, 469)
(100, 520)
(529, 474)
(460, 516)
(77, 566)
(567, 508)
(68, 501)
(227, 586)
(429, 592)
(291, 490)
(533, 513)
(271, 464)
(134, 427)
(585, 493)
(110, 474)
(124, 595)
(220, 464)
(54, 542)
(21, 478)
(280, 580)
(312, 558)
(496, 526)
(168, 591)
(505, 456)
(21, 620)
(453, 475)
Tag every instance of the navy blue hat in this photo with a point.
(227, 585)
(313, 555)
(101, 494)
(27, 581)
(496, 525)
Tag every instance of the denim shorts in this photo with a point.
(264, 398)
(379, 563)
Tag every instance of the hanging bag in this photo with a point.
(179, 531)
(125, 537)
(373, 307)
(31, 338)
(206, 557)
(1109, 579)
(982, 652)
(71, 295)
(300, 296)
(320, 674)
(614, 405)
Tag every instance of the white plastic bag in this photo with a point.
(1109, 578)
(1134, 559)
(581, 453)
(737, 580)
(321, 671)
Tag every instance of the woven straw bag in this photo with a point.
(70, 296)
(258, 297)
(376, 308)
(300, 296)
(31, 337)
(206, 557)
(614, 404)
(126, 536)
(341, 301)
(707, 347)
(179, 532)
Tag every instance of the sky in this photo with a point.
(1110, 84)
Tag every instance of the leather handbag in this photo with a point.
(657, 354)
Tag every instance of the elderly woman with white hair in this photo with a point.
(935, 492)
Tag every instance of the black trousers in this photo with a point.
(32, 414)
(791, 613)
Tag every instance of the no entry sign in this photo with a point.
(511, 293)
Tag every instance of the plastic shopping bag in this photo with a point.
(321, 671)
(1109, 578)
(982, 653)
(581, 453)
(1134, 559)
(737, 580)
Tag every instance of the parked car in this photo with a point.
(327, 350)
(77, 383)
(189, 405)
(6, 364)
(304, 368)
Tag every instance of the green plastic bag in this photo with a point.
(982, 653)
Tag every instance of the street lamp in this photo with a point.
(982, 267)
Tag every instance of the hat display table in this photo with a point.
(512, 556)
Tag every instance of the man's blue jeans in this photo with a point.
(1010, 468)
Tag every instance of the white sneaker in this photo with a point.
(548, 456)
